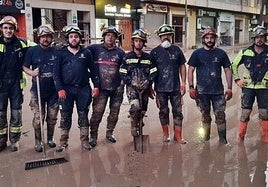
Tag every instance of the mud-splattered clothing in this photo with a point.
(108, 62)
(44, 59)
(135, 70)
(11, 59)
(209, 64)
(72, 74)
(210, 90)
(167, 82)
(255, 76)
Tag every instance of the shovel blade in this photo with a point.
(141, 143)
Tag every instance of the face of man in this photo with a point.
(8, 31)
(73, 40)
(209, 41)
(109, 39)
(259, 41)
(45, 40)
(138, 44)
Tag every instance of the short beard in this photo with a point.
(166, 44)
(74, 46)
(210, 46)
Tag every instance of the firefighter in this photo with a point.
(12, 51)
(138, 74)
(39, 61)
(254, 83)
(208, 62)
(108, 57)
(71, 75)
(169, 82)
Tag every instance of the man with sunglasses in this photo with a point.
(138, 74)
(108, 58)
(169, 82)
(71, 76)
(12, 51)
(254, 83)
(39, 61)
(208, 62)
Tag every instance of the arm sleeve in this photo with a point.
(236, 63)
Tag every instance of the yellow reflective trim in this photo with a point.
(145, 62)
(121, 70)
(132, 61)
(3, 131)
(23, 81)
(153, 70)
(15, 129)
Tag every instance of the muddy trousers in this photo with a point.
(14, 128)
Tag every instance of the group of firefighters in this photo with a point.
(65, 77)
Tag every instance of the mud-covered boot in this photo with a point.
(38, 142)
(206, 132)
(14, 146)
(222, 133)
(63, 140)
(50, 136)
(84, 133)
(166, 137)
(177, 135)
(134, 126)
(242, 129)
(3, 146)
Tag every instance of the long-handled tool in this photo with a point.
(141, 141)
(44, 161)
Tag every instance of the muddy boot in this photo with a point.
(3, 146)
(134, 126)
(222, 133)
(111, 138)
(38, 142)
(84, 132)
(63, 140)
(242, 129)
(206, 132)
(50, 133)
(177, 135)
(93, 142)
(14, 146)
(166, 137)
(264, 131)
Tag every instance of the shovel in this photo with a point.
(44, 161)
(141, 142)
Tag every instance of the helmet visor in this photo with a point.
(72, 28)
(44, 30)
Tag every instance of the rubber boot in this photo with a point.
(264, 131)
(177, 135)
(63, 140)
(206, 132)
(166, 137)
(14, 146)
(134, 126)
(3, 146)
(38, 142)
(242, 129)
(50, 133)
(222, 133)
(84, 133)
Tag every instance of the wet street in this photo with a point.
(196, 164)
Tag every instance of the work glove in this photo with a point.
(95, 92)
(240, 83)
(62, 94)
(228, 94)
(193, 93)
(151, 92)
(143, 85)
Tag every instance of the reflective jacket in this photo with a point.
(11, 58)
(134, 68)
(256, 68)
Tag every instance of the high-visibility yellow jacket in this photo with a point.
(255, 74)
